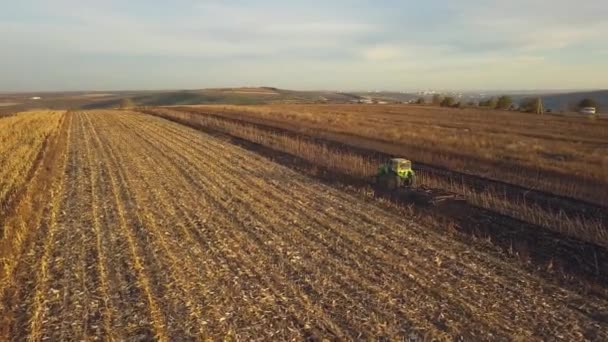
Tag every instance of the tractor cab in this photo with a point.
(400, 166)
(395, 173)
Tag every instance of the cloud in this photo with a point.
(381, 53)
(211, 30)
(352, 43)
(534, 24)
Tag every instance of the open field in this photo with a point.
(569, 216)
(571, 247)
(562, 155)
(152, 229)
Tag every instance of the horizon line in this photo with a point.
(508, 91)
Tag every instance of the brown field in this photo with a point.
(22, 140)
(589, 226)
(564, 155)
(143, 228)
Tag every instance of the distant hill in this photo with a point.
(10, 103)
(235, 96)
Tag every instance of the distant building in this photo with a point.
(35, 98)
(588, 110)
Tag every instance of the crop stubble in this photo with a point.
(160, 230)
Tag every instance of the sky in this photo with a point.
(332, 45)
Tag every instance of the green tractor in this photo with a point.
(394, 174)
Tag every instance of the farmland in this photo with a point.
(22, 139)
(552, 228)
(144, 228)
(559, 154)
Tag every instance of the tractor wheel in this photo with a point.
(399, 182)
(392, 182)
(381, 182)
(410, 181)
(385, 182)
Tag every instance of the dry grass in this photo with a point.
(358, 166)
(29, 186)
(22, 139)
(586, 229)
(565, 155)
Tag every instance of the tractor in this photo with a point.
(394, 174)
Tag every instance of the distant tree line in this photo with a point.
(587, 102)
(438, 100)
(531, 105)
(504, 102)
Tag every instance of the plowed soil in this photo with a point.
(155, 230)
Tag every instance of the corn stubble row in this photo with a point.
(24, 139)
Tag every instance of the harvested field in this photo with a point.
(155, 230)
(22, 141)
(569, 218)
(563, 155)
